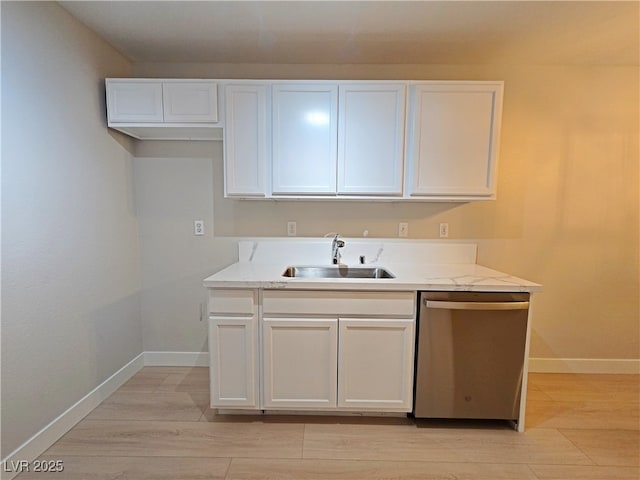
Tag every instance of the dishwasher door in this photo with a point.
(470, 355)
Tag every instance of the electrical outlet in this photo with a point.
(444, 230)
(403, 229)
(198, 227)
(291, 229)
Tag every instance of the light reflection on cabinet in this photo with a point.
(304, 138)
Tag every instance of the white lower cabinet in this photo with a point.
(233, 348)
(300, 362)
(375, 366)
(312, 350)
(338, 350)
(233, 369)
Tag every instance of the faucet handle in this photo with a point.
(336, 245)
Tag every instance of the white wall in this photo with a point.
(70, 260)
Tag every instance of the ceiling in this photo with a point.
(376, 32)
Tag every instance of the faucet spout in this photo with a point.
(336, 245)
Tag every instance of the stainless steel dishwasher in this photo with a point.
(470, 354)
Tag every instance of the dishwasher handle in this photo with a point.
(476, 305)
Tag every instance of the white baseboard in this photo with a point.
(584, 365)
(41, 441)
(176, 359)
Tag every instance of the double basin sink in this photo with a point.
(337, 271)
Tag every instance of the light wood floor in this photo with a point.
(157, 426)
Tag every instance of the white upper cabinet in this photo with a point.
(371, 138)
(338, 139)
(134, 101)
(304, 138)
(190, 101)
(453, 141)
(245, 140)
(163, 109)
(328, 139)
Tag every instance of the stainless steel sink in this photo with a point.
(338, 271)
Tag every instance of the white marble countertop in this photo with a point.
(433, 266)
(417, 265)
(446, 277)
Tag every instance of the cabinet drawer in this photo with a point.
(233, 301)
(293, 302)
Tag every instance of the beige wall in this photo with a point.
(70, 263)
(567, 208)
(174, 187)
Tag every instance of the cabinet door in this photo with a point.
(371, 138)
(375, 369)
(233, 346)
(304, 138)
(300, 362)
(194, 101)
(455, 136)
(245, 139)
(130, 101)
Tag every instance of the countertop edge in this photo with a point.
(267, 276)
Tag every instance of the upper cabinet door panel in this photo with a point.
(304, 138)
(194, 101)
(455, 131)
(371, 139)
(131, 102)
(245, 139)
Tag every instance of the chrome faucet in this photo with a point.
(336, 245)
